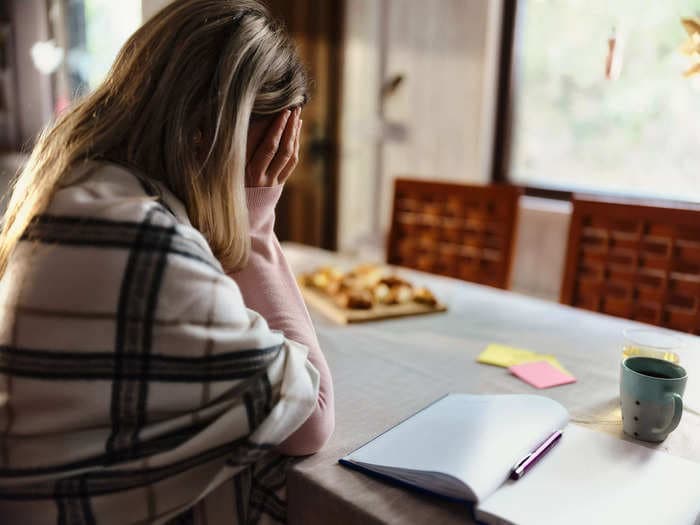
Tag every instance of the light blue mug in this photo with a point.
(651, 396)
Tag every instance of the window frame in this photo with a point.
(509, 57)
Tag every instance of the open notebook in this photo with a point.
(464, 447)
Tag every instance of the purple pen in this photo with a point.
(522, 466)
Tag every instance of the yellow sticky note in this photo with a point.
(507, 356)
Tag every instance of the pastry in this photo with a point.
(424, 296)
(400, 294)
(355, 300)
(364, 287)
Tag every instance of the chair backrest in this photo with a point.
(456, 230)
(635, 261)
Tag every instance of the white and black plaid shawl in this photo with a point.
(136, 387)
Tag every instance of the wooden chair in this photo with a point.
(635, 261)
(456, 230)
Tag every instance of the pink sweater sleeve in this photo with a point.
(269, 287)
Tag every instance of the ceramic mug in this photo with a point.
(651, 395)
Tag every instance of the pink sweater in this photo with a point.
(269, 287)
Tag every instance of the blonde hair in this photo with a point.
(175, 106)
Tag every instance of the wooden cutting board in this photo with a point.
(327, 307)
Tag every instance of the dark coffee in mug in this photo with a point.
(654, 368)
(656, 374)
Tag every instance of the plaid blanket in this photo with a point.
(135, 386)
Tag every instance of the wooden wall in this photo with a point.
(32, 104)
(307, 211)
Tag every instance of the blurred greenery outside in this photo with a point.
(106, 25)
(638, 134)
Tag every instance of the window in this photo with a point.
(91, 32)
(600, 101)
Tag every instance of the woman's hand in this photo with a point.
(277, 153)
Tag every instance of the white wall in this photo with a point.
(360, 125)
(540, 247)
(151, 7)
(437, 124)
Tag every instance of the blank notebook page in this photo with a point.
(590, 477)
(476, 439)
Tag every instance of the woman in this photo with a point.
(137, 385)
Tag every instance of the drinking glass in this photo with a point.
(649, 342)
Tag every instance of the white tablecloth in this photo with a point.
(387, 370)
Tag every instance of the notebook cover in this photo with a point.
(401, 483)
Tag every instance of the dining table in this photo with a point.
(385, 371)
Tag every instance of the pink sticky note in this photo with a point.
(541, 374)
